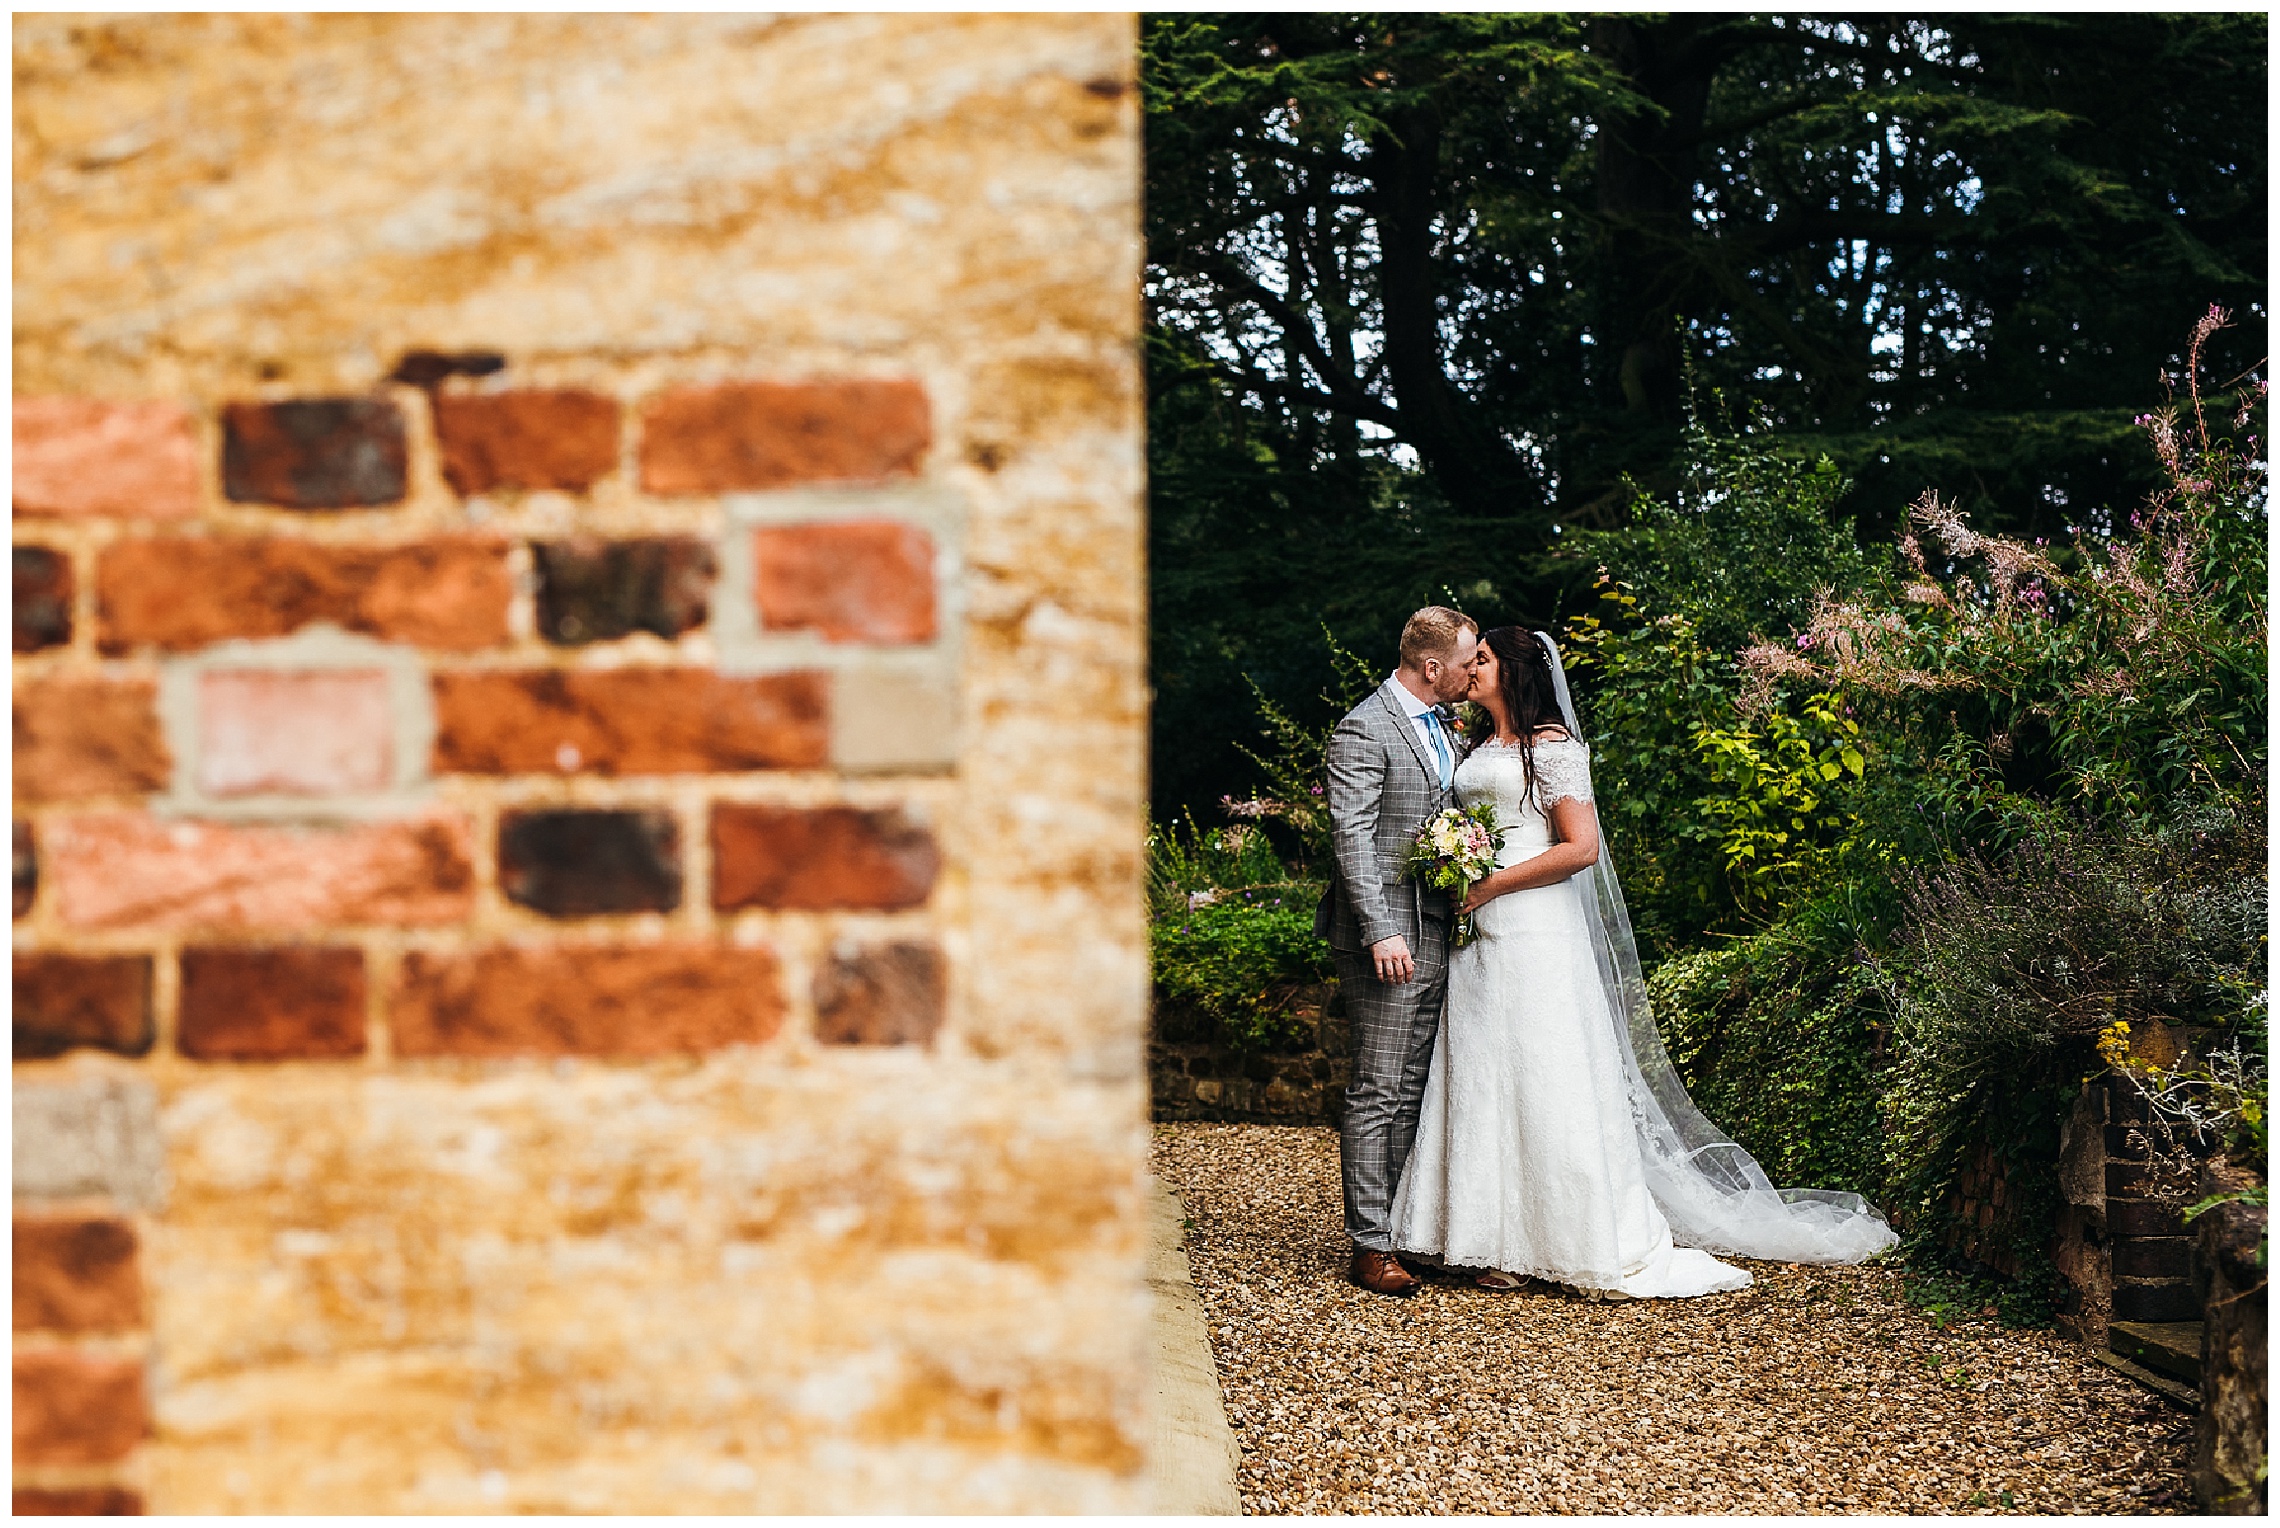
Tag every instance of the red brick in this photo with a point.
(76, 1273)
(77, 1501)
(83, 457)
(559, 1000)
(65, 1001)
(315, 732)
(846, 580)
(820, 857)
(78, 739)
(77, 1408)
(579, 863)
(288, 1003)
(537, 438)
(24, 879)
(314, 453)
(882, 994)
(628, 721)
(747, 435)
(124, 870)
(177, 593)
(42, 585)
(591, 590)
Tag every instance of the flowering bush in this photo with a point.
(2123, 677)
(1231, 934)
(1965, 807)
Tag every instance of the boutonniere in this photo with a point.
(1470, 722)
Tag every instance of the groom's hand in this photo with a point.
(1394, 964)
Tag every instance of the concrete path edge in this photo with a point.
(1192, 1453)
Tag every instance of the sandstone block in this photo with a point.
(314, 453)
(77, 1408)
(41, 584)
(890, 718)
(2142, 1217)
(598, 1000)
(24, 868)
(77, 739)
(76, 1273)
(64, 1001)
(598, 591)
(317, 732)
(84, 457)
(124, 870)
(630, 721)
(883, 994)
(846, 580)
(755, 435)
(2232, 1434)
(2152, 1257)
(77, 1501)
(87, 1138)
(449, 593)
(287, 1003)
(820, 857)
(575, 864)
(2127, 1177)
(563, 438)
(2155, 1302)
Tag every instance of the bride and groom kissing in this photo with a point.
(1513, 1112)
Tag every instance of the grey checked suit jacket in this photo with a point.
(1382, 786)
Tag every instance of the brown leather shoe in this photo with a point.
(1382, 1273)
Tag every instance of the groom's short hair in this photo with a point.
(1432, 633)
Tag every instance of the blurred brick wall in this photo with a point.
(578, 719)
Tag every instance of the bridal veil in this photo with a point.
(1712, 1192)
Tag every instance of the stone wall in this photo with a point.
(2122, 1254)
(578, 729)
(1194, 1073)
(2232, 1275)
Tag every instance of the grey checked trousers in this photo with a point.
(1394, 1028)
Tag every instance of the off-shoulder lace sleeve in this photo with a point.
(1563, 771)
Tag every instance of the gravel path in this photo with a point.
(1817, 1390)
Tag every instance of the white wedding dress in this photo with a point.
(1528, 1157)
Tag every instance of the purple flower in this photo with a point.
(1804, 640)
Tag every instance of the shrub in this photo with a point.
(1778, 1036)
(1242, 960)
(2008, 970)
(1185, 863)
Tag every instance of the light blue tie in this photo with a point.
(1441, 757)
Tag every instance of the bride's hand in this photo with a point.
(1479, 893)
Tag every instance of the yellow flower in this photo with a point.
(2114, 1045)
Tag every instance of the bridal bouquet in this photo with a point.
(1455, 848)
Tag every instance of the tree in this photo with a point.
(1423, 290)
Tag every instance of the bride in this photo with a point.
(1556, 1139)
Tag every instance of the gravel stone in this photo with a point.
(1818, 1390)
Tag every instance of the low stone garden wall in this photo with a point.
(1195, 1074)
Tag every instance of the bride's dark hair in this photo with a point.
(1524, 679)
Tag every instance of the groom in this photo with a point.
(1391, 762)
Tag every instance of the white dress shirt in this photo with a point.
(1442, 754)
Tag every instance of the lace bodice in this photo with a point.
(1494, 772)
